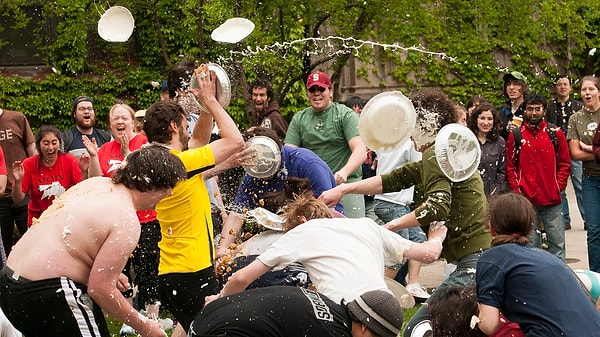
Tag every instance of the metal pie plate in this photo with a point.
(223, 93)
(268, 157)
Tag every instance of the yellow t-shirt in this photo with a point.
(185, 219)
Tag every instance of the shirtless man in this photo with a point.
(67, 268)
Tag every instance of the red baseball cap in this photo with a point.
(318, 78)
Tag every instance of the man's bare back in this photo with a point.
(67, 238)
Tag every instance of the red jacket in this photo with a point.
(542, 174)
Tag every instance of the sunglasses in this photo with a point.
(316, 88)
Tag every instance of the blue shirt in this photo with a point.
(535, 289)
(295, 162)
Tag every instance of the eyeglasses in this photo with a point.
(85, 108)
(536, 109)
(316, 88)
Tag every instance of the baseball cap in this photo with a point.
(514, 75)
(80, 99)
(380, 311)
(318, 78)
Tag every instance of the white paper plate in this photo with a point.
(457, 152)
(78, 152)
(267, 218)
(268, 157)
(387, 121)
(223, 93)
(402, 295)
(233, 30)
(116, 24)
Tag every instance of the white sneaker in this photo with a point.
(417, 291)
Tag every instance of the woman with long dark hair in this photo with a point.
(486, 125)
(46, 175)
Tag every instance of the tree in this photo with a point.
(463, 46)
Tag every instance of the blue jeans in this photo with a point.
(576, 178)
(553, 227)
(591, 203)
(463, 275)
(388, 211)
(370, 211)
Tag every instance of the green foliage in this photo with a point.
(462, 46)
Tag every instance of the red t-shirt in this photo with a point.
(110, 157)
(44, 183)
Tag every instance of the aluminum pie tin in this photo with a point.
(387, 121)
(223, 84)
(267, 157)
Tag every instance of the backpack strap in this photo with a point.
(552, 133)
(517, 137)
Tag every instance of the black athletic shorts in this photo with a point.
(52, 307)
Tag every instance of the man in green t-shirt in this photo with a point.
(330, 130)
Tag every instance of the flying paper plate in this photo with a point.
(223, 93)
(457, 152)
(268, 157)
(233, 30)
(116, 24)
(387, 121)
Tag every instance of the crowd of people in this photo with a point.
(132, 221)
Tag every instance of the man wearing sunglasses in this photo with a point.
(331, 131)
(538, 166)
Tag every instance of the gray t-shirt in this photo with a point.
(582, 126)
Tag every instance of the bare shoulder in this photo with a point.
(94, 200)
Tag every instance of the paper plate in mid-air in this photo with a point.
(387, 121)
(116, 24)
(233, 30)
(457, 152)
